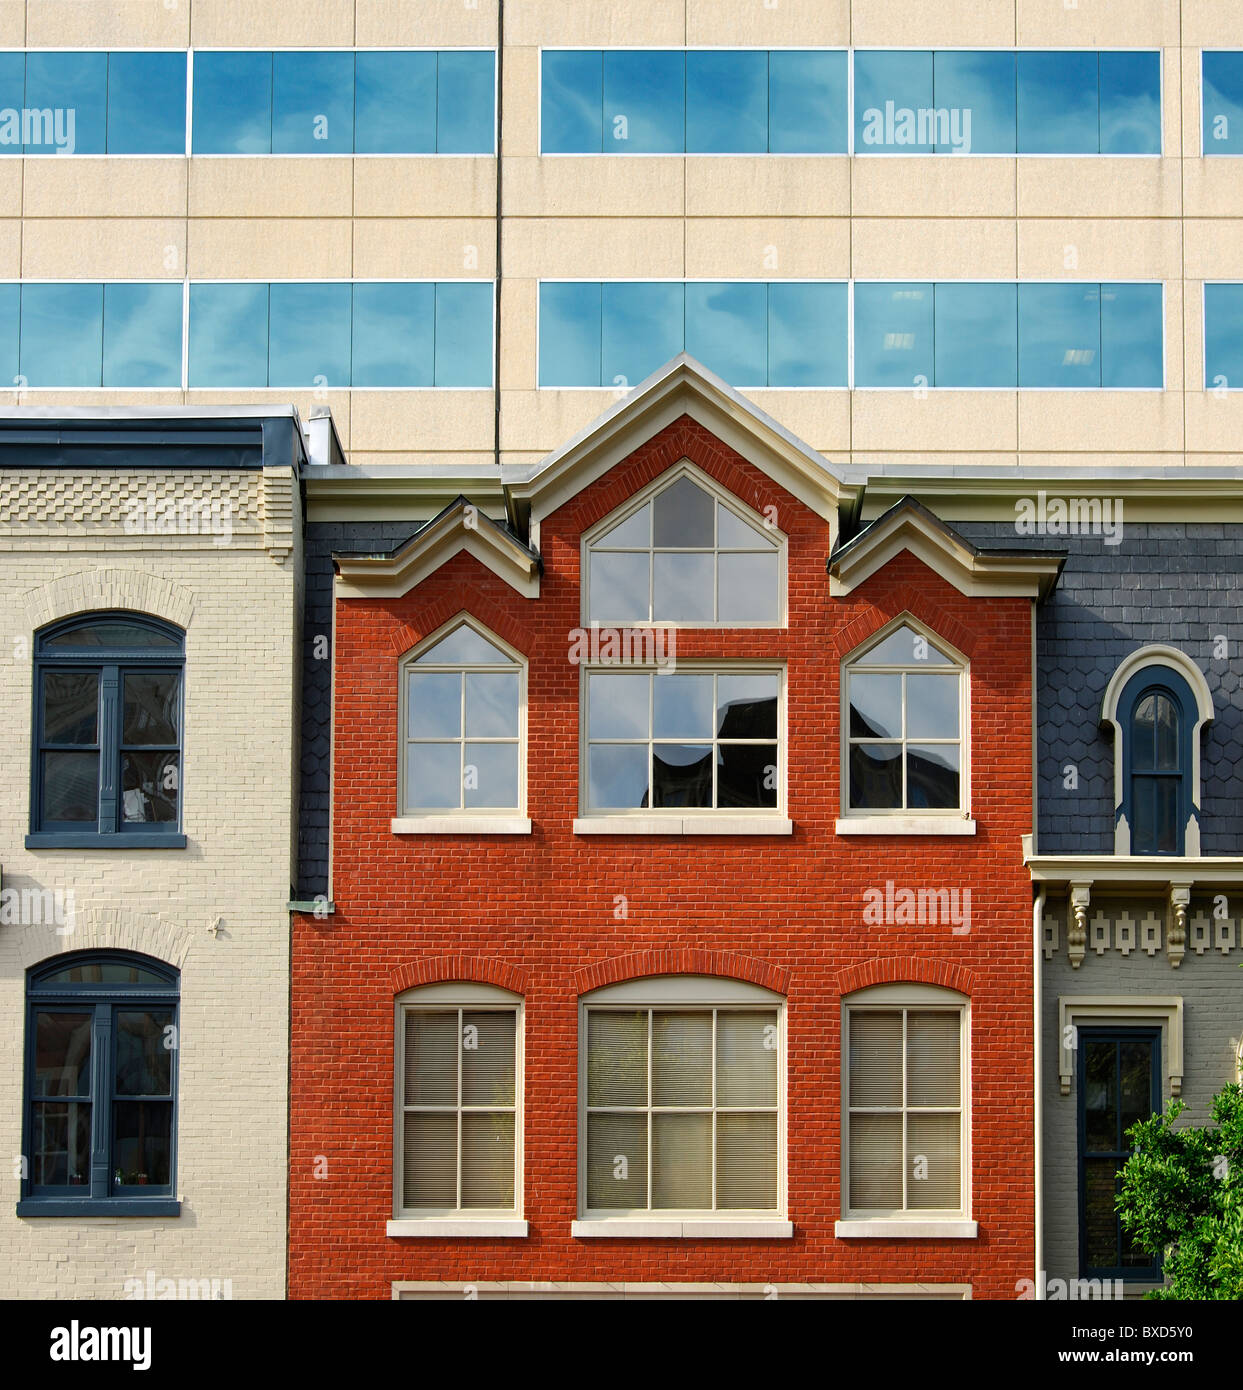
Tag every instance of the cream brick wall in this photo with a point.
(63, 550)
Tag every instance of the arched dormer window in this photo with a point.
(683, 551)
(1158, 701)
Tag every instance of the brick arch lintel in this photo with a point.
(893, 970)
(887, 604)
(465, 598)
(113, 588)
(482, 970)
(684, 961)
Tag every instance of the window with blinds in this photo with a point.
(905, 1110)
(456, 1136)
(682, 1110)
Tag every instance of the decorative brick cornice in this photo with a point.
(684, 961)
(483, 970)
(895, 970)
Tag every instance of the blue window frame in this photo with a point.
(99, 1121)
(1222, 102)
(1223, 336)
(693, 101)
(1156, 711)
(107, 734)
(306, 101)
(1118, 1084)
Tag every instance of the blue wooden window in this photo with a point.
(1156, 712)
(1119, 1083)
(101, 1087)
(107, 733)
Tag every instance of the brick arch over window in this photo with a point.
(682, 962)
(905, 600)
(109, 589)
(906, 970)
(484, 970)
(109, 929)
(465, 598)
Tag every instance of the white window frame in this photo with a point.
(596, 534)
(679, 992)
(462, 1221)
(464, 820)
(926, 1222)
(684, 820)
(954, 820)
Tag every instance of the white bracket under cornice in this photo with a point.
(1074, 1011)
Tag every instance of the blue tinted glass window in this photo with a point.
(12, 99)
(807, 334)
(569, 334)
(68, 92)
(1132, 334)
(464, 334)
(146, 103)
(641, 328)
(726, 102)
(891, 88)
(643, 103)
(1059, 335)
(974, 97)
(727, 330)
(229, 335)
(1130, 103)
(1223, 336)
(312, 103)
(232, 103)
(395, 103)
(62, 334)
(10, 325)
(1058, 106)
(572, 102)
(465, 100)
(807, 103)
(142, 335)
(309, 335)
(977, 337)
(393, 335)
(1223, 103)
(893, 335)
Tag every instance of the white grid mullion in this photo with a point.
(649, 1110)
(460, 1015)
(905, 1205)
(461, 774)
(713, 1120)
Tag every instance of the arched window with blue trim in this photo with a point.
(101, 1086)
(107, 732)
(1157, 712)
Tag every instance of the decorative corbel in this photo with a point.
(1077, 923)
(1180, 905)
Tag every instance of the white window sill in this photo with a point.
(467, 1228)
(894, 1228)
(694, 1228)
(683, 825)
(905, 825)
(461, 825)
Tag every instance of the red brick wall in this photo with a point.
(536, 914)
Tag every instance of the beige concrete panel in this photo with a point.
(269, 249)
(440, 463)
(1096, 186)
(637, 23)
(1214, 248)
(593, 248)
(105, 24)
(1214, 187)
(112, 187)
(425, 186)
(392, 421)
(966, 420)
(113, 248)
(13, 23)
(306, 401)
(931, 248)
(519, 328)
(11, 187)
(79, 396)
(768, 186)
(768, 248)
(1215, 423)
(271, 186)
(595, 186)
(289, 24)
(1171, 111)
(932, 186)
(1211, 24)
(754, 24)
(540, 421)
(1099, 249)
(934, 23)
(424, 24)
(10, 248)
(1132, 421)
(1096, 23)
(522, 101)
(1190, 72)
(1189, 335)
(424, 248)
(818, 418)
(994, 465)
(1177, 367)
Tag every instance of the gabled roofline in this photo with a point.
(909, 525)
(683, 386)
(460, 526)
